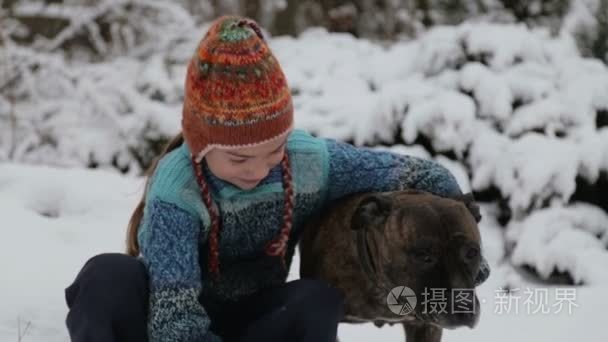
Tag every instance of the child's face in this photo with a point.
(246, 167)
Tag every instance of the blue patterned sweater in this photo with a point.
(175, 218)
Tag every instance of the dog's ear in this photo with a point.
(469, 202)
(372, 211)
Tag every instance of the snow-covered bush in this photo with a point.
(518, 109)
(389, 19)
(587, 20)
(516, 106)
(571, 240)
(104, 114)
(99, 29)
(56, 107)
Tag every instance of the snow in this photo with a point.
(54, 219)
(516, 44)
(570, 239)
(527, 170)
(447, 118)
(492, 92)
(109, 108)
(529, 81)
(66, 216)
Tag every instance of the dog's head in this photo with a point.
(427, 243)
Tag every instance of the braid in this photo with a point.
(278, 246)
(214, 263)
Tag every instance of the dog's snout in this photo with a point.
(463, 314)
(469, 319)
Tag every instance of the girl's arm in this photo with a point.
(357, 169)
(169, 242)
(169, 248)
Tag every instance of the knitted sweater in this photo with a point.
(173, 231)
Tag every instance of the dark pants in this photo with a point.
(108, 302)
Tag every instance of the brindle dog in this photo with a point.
(368, 244)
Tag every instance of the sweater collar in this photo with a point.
(224, 189)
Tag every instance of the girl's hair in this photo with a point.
(138, 213)
(276, 247)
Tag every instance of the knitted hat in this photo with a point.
(236, 94)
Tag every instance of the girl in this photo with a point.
(231, 193)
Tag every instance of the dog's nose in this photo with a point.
(469, 317)
(456, 320)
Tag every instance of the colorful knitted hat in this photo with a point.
(236, 94)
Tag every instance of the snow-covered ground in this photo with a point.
(54, 219)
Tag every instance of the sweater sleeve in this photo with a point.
(168, 239)
(358, 169)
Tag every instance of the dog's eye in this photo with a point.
(472, 253)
